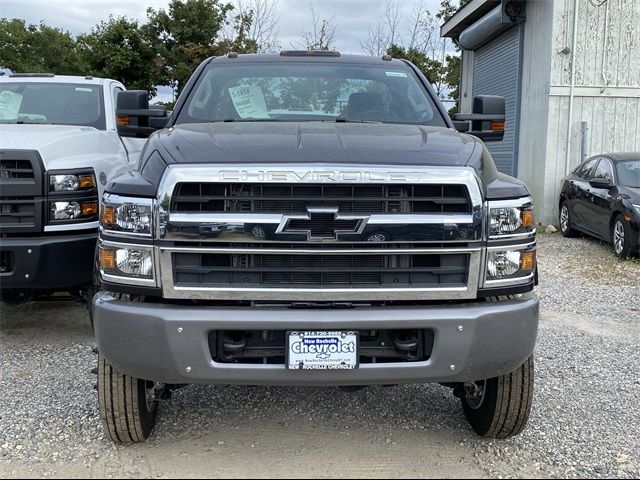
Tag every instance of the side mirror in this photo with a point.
(461, 127)
(601, 183)
(487, 119)
(134, 117)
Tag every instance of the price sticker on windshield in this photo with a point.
(9, 104)
(249, 101)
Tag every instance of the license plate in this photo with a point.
(322, 350)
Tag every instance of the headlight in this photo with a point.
(131, 261)
(511, 217)
(128, 215)
(72, 182)
(510, 263)
(72, 210)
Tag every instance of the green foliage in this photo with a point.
(452, 79)
(191, 31)
(118, 49)
(38, 48)
(164, 51)
(448, 8)
(432, 68)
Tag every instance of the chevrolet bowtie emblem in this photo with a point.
(322, 223)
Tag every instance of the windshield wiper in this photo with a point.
(347, 120)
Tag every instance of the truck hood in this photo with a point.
(314, 143)
(60, 146)
(317, 142)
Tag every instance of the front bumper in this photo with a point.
(169, 343)
(47, 262)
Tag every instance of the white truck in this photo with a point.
(58, 148)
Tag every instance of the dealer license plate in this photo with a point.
(322, 350)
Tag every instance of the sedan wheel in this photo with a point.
(621, 237)
(565, 222)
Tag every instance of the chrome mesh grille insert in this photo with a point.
(296, 198)
(319, 270)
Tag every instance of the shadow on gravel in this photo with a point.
(38, 318)
(221, 410)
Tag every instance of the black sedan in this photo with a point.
(601, 198)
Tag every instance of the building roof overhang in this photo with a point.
(467, 16)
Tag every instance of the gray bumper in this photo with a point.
(473, 341)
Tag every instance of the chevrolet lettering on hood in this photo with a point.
(338, 176)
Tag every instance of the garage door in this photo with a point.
(496, 71)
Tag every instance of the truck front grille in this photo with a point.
(299, 234)
(320, 270)
(296, 198)
(16, 169)
(21, 191)
(17, 213)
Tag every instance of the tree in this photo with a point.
(262, 27)
(452, 69)
(118, 49)
(187, 34)
(322, 35)
(37, 48)
(384, 33)
(430, 67)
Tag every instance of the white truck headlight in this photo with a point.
(72, 210)
(126, 261)
(503, 264)
(127, 215)
(511, 217)
(71, 182)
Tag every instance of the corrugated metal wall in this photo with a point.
(496, 71)
(607, 86)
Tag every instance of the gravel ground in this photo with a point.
(584, 421)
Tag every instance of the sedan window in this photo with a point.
(585, 170)
(629, 173)
(604, 170)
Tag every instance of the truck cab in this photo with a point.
(315, 219)
(58, 147)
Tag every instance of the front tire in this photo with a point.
(621, 237)
(500, 407)
(565, 221)
(127, 409)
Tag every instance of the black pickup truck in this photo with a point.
(311, 218)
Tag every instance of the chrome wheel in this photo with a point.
(475, 393)
(618, 237)
(564, 218)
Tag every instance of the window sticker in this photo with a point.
(396, 74)
(9, 104)
(83, 89)
(249, 101)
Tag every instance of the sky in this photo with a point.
(353, 18)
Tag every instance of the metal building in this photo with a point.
(570, 73)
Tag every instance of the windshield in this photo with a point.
(629, 173)
(310, 92)
(52, 103)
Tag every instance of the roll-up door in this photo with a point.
(496, 71)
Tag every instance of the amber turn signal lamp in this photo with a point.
(107, 259)
(527, 218)
(497, 126)
(86, 181)
(108, 216)
(89, 208)
(528, 261)
(122, 120)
